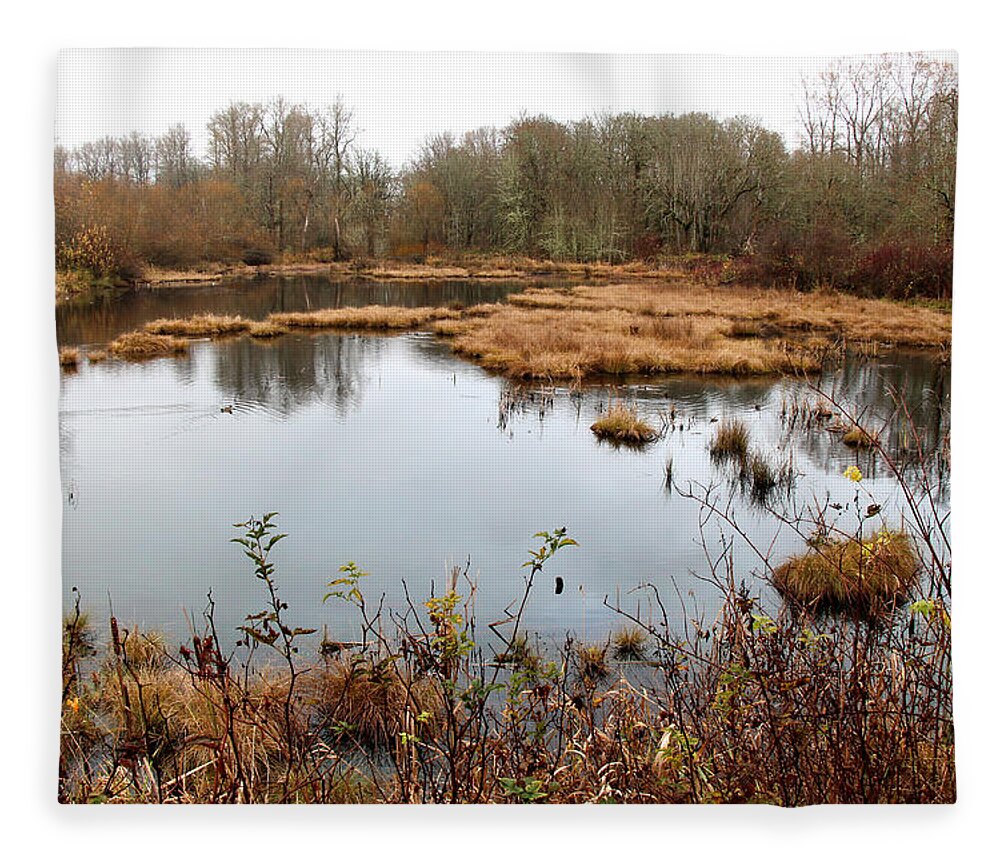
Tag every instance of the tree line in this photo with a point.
(866, 201)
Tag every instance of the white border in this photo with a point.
(31, 495)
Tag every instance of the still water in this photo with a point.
(393, 453)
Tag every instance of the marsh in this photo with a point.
(395, 453)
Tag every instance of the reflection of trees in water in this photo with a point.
(99, 319)
(876, 389)
(870, 388)
(681, 400)
(919, 380)
(293, 371)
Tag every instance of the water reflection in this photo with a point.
(98, 319)
(288, 374)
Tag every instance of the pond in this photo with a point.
(395, 454)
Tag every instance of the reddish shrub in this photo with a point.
(904, 269)
(646, 246)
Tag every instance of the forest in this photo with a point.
(864, 201)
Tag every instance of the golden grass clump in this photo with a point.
(200, 325)
(140, 345)
(371, 317)
(858, 437)
(266, 329)
(592, 662)
(622, 424)
(69, 358)
(372, 701)
(191, 708)
(731, 441)
(96, 356)
(629, 643)
(850, 573)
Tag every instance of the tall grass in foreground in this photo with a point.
(792, 706)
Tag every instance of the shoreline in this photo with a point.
(471, 268)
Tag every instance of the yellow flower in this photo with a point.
(853, 473)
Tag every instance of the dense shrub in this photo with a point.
(257, 257)
(904, 269)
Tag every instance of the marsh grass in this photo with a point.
(858, 437)
(754, 313)
(266, 329)
(760, 473)
(731, 440)
(622, 425)
(96, 356)
(592, 662)
(629, 643)
(371, 317)
(851, 573)
(740, 329)
(69, 358)
(553, 337)
(200, 325)
(639, 328)
(140, 345)
(367, 701)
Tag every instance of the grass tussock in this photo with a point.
(96, 356)
(621, 424)
(850, 573)
(266, 329)
(761, 475)
(858, 437)
(200, 325)
(592, 663)
(69, 358)
(731, 440)
(372, 318)
(141, 345)
(521, 655)
(369, 701)
(629, 643)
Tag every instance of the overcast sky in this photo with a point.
(399, 99)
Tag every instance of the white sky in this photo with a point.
(399, 99)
